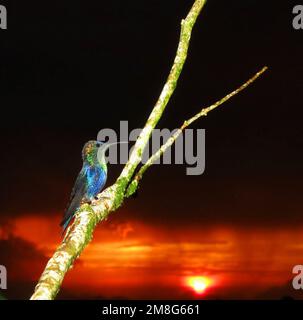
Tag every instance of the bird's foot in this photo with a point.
(103, 197)
(96, 200)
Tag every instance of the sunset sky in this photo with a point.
(131, 259)
(234, 232)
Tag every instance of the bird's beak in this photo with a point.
(105, 146)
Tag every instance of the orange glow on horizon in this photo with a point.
(134, 259)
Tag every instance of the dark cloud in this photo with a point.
(285, 291)
(24, 263)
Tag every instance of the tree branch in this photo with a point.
(167, 91)
(133, 186)
(87, 216)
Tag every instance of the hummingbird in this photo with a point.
(90, 180)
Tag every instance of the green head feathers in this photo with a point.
(94, 152)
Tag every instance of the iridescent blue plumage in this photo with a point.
(90, 180)
(96, 178)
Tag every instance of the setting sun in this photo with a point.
(198, 284)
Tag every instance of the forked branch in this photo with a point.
(88, 216)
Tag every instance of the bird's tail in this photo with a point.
(70, 212)
(65, 224)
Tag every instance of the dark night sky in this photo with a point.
(69, 69)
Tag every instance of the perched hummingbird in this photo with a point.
(90, 180)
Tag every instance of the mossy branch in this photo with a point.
(80, 232)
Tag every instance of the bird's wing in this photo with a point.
(77, 194)
(80, 184)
